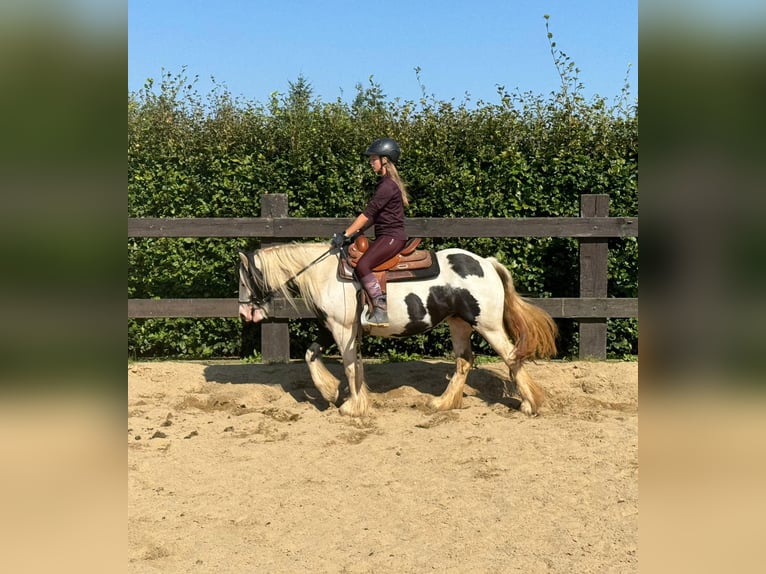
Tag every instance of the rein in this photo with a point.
(253, 281)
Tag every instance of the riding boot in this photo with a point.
(379, 316)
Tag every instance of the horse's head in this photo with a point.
(254, 294)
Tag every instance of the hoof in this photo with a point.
(527, 408)
(329, 392)
(314, 351)
(346, 410)
(438, 404)
(353, 409)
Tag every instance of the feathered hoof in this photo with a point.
(323, 379)
(439, 404)
(328, 390)
(348, 410)
(527, 408)
(352, 409)
(314, 351)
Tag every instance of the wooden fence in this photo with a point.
(593, 229)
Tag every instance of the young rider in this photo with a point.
(386, 212)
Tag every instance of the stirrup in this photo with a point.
(378, 318)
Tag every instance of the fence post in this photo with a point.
(275, 333)
(593, 277)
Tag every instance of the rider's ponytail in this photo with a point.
(393, 173)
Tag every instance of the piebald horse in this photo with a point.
(470, 293)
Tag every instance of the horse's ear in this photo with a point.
(243, 258)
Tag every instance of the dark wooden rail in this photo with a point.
(286, 227)
(593, 230)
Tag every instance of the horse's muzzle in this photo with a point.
(250, 313)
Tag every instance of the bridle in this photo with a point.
(255, 282)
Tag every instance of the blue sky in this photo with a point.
(258, 47)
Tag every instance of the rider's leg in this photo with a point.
(379, 313)
(380, 250)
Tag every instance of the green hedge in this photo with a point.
(526, 156)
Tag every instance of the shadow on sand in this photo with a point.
(426, 377)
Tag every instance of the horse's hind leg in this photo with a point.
(323, 379)
(531, 395)
(452, 397)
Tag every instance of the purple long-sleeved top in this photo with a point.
(386, 210)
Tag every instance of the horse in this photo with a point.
(470, 293)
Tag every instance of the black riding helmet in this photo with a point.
(385, 147)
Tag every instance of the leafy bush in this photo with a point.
(526, 156)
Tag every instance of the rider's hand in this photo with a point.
(338, 240)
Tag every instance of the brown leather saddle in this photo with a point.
(410, 263)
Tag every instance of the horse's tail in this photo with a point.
(532, 330)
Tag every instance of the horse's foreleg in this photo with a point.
(452, 397)
(324, 380)
(358, 403)
(347, 338)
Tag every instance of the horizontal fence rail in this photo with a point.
(558, 308)
(593, 230)
(286, 227)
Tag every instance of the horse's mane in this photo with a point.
(280, 264)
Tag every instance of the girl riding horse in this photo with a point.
(386, 212)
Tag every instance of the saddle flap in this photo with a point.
(345, 271)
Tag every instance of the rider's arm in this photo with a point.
(359, 223)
